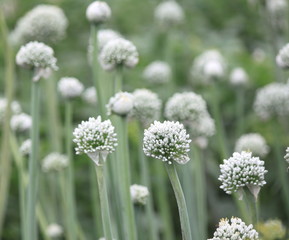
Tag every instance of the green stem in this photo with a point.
(240, 111)
(31, 228)
(118, 80)
(184, 218)
(106, 222)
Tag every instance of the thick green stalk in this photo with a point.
(31, 226)
(104, 205)
(183, 212)
(71, 211)
(5, 159)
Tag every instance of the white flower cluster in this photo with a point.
(118, 52)
(208, 66)
(54, 230)
(94, 137)
(169, 13)
(139, 194)
(146, 106)
(277, 6)
(44, 23)
(25, 147)
(235, 229)
(287, 155)
(120, 104)
(70, 87)
(15, 108)
(21, 122)
(282, 58)
(157, 72)
(242, 170)
(98, 12)
(191, 110)
(89, 95)
(167, 141)
(106, 35)
(38, 56)
(252, 142)
(272, 100)
(54, 162)
(239, 77)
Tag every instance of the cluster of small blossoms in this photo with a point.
(89, 95)
(242, 170)
(287, 155)
(208, 66)
(239, 77)
(54, 230)
(252, 142)
(54, 162)
(120, 104)
(25, 147)
(21, 122)
(271, 229)
(37, 56)
(282, 58)
(70, 87)
(15, 108)
(146, 106)
(44, 23)
(118, 53)
(167, 141)
(235, 229)
(98, 12)
(139, 194)
(191, 110)
(94, 137)
(169, 14)
(272, 100)
(157, 72)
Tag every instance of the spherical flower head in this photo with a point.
(139, 194)
(287, 155)
(118, 53)
(54, 162)
(98, 12)
(271, 229)
(282, 58)
(89, 96)
(169, 14)
(167, 141)
(239, 77)
(15, 108)
(39, 57)
(272, 100)
(235, 229)
(252, 142)
(94, 137)
(54, 230)
(157, 72)
(120, 104)
(21, 122)
(70, 87)
(44, 23)
(25, 147)
(242, 170)
(146, 106)
(208, 66)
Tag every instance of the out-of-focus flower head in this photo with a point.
(120, 104)
(15, 108)
(139, 194)
(89, 95)
(98, 12)
(271, 229)
(21, 122)
(157, 72)
(54, 230)
(54, 162)
(239, 77)
(70, 87)
(25, 147)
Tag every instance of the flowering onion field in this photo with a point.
(144, 120)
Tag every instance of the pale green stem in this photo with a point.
(240, 92)
(252, 206)
(31, 225)
(104, 205)
(183, 212)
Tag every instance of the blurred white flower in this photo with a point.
(44, 23)
(239, 77)
(167, 141)
(146, 106)
(252, 142)
(287, 155)
(201, 142)
(120, 104)
(25, 147)
(15, 108)
(235, 230)
(276, 6)
(21, 122)
(259, 55)
(54, 230)
(39, 57)
(54, 162)
(169, 13)
(106, 35)
(94, 138)
(117, 53)
(89, 95)
(70, 87)
(157, 72)
(139, 194)
(98, 12)
(282, 58)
